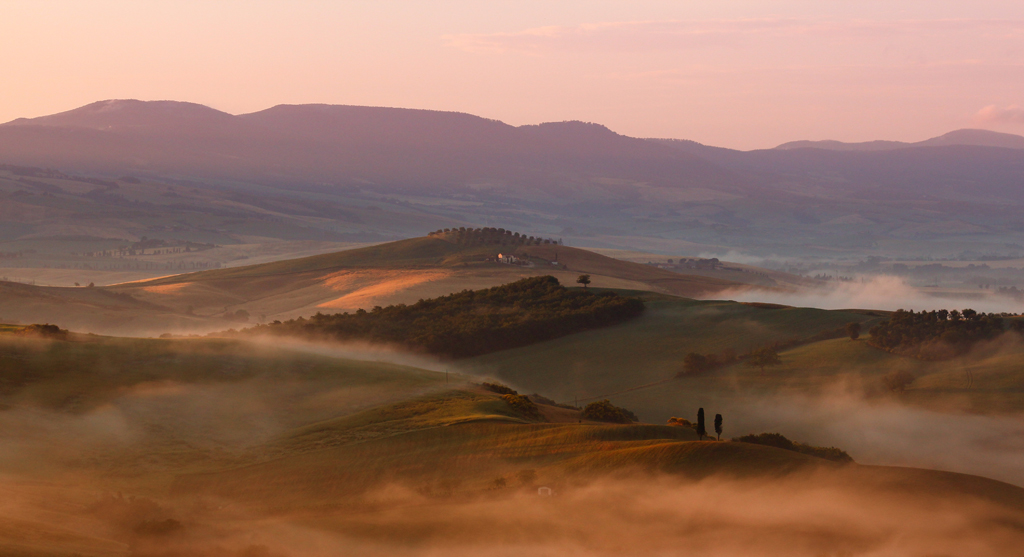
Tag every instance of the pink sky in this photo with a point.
(743, 74)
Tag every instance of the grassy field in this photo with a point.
(651, 349)
(397, 272)
(209, 447)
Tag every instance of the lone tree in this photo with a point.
(584, 280)
(718, 426)
(701, 431)
(853, 329)
(763, 357)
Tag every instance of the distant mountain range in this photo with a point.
(958, 192)
(312, 145)
(977, 138)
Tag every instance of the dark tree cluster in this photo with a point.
(472, 322)
(488, 237)
(699, 364)
(779, 441)
(605, 411)
(499, 388)
(43, 331)
(522, 405)
(935, 335)
(763, 357)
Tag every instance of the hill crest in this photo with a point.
(962, 137)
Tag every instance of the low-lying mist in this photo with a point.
(830, 513)
(885, 432)
(61, 471)
(878, 292)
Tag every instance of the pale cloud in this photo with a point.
(1001, 114)
(682, 35)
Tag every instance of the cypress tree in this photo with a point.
(701, 431)
(718, 426)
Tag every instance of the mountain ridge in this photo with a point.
(965, 137)
(337, 144)
(576, 180)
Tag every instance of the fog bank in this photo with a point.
(879, 292)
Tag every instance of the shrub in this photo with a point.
(779, 441)
(499, 388)
(605, 411)
(853, 330)
(697, 364)
(44, 331)
(763, 357)
(522, 404)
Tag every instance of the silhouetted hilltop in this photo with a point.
(127, 114)
(423, 169)
(316, 145)
(971, 137)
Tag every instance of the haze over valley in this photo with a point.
(562, 278)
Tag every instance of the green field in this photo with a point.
(651, 349)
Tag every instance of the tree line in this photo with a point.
(471, 322)
(936, 335)
(779, 441)
(698, 364)
(489, 236)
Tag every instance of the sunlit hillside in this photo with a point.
(383, 274)
(148, 447)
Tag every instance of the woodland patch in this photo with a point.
(471, 322)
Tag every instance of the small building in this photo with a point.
(545, 491)
(507, 258)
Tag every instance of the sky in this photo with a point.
(741, 74)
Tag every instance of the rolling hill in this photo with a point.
(151, 447)
(378, 146)
(978, 138)
(636, 364)
(345, 173)
(396, 272)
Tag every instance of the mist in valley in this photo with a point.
(326, 157)
(882, 292)
(106, 470)
(885, 432)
